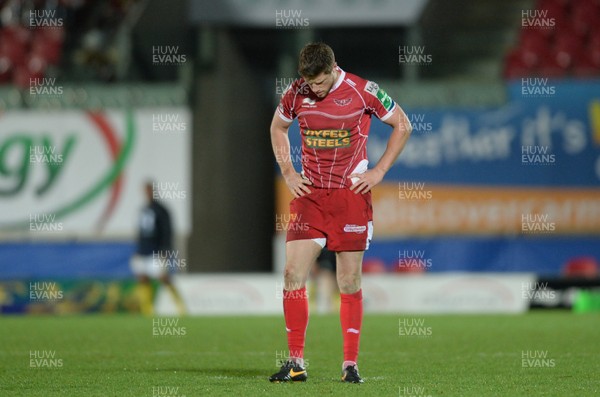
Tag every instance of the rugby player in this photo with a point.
(332, 193)
(154, 237)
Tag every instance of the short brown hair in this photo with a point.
(315, 58)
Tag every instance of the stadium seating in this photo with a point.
(516, 64)
(25, 53)
(38, 51)
(568, 48)
(48, 45)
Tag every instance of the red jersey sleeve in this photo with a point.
(378, 101)
(286, 108)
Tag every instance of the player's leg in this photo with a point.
(349, 265)
(349, 236)
(349, 271)
(300, 256)
(305, 239)
(304, 243)
(145, 295)
(165, 279)
(158, 269)
(139, 265)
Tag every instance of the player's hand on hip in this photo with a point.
(297, 184)
(366, 180)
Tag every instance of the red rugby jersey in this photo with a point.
(335, 129)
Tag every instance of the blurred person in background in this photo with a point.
(153, 246)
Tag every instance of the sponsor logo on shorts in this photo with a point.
(358, 229)
(326, 139)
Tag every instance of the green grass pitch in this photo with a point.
(466, 355)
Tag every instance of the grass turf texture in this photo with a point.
(476, 355)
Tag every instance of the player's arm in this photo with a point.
(281, 148)
(400, 134)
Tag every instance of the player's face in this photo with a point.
(321, 84)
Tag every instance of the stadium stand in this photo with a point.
(53, 38)
(560, 38)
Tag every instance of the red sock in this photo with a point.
(351, 313)
(295, 311)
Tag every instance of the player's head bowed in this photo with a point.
(317, 66)
(315, 58)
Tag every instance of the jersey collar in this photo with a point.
(339, 80)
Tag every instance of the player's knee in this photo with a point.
(349, 283)
(293, 278)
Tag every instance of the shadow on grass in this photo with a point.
(233, 372)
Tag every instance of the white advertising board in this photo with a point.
(251, 294)
(66, 174)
